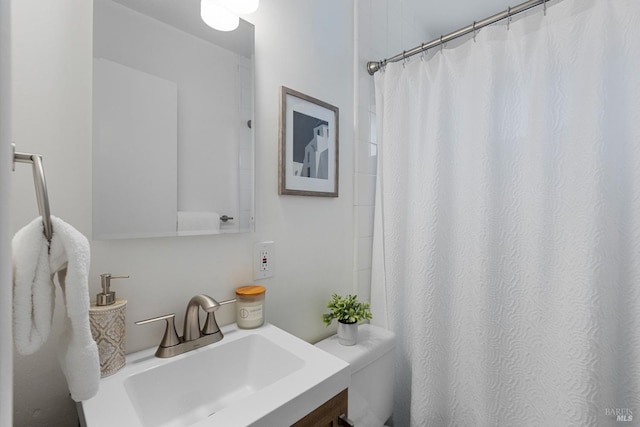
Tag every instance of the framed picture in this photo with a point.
(308, 162)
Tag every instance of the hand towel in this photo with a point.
(33, 291)
(192, 221)
(77, 351)
(68, 256)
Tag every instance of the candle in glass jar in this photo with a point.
(250, 306)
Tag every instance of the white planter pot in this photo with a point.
(347, 333)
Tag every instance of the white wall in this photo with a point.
(305, 45)
(6, 354)
(51, 66)
(384, 28)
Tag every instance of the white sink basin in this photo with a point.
(262, 376)
(201, 385)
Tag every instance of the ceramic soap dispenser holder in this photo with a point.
(107, 320)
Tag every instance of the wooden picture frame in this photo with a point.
(308, 156)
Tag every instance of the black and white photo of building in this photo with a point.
(310, 146)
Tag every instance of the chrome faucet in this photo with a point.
(193, 337)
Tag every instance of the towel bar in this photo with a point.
(40, 184)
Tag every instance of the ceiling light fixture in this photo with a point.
(222, 15)
(218, 17)
(241, 6)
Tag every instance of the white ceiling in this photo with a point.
(442, 17)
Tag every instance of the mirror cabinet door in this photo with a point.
(173, 148)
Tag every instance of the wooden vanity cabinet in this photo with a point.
(333, 413)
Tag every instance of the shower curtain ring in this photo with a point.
(404, 58)
(474, 31)
(544, 7)
(422, 52)
(441, 45)
(508, 17)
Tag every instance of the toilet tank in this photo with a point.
(372, 373)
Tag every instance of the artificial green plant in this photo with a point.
(346, 310)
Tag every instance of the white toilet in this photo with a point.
(372, 374)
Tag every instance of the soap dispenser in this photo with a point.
(107, 320)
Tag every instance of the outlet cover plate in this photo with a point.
(264, 262)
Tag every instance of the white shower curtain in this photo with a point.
(507, 231)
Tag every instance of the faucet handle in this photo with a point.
(170, 337)
(210, 325)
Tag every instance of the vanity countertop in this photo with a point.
(266, 377)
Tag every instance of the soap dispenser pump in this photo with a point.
(107, 296)
(107, 321)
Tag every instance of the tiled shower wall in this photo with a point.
(383, 28)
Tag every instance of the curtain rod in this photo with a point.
(373, 66)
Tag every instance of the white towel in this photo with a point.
(193, 221)
(33, 291)
(69, 257)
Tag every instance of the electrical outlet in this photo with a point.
(264, 260)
